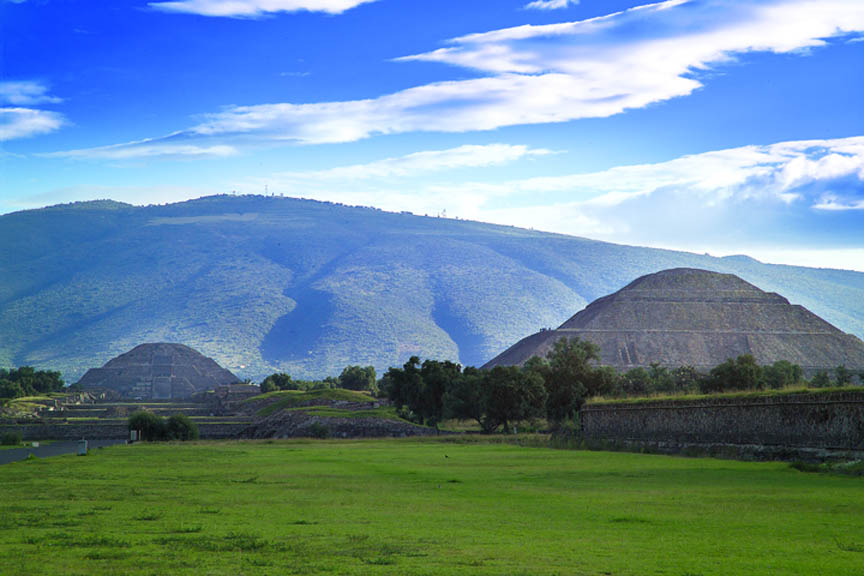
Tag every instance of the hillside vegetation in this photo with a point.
(265, 284)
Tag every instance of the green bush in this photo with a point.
(318, 430)
(155, 428)
(151, 426)
(181, 427)
(359, 378)
(12, 438)
(821, 380)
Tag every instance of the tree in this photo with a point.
(9, 389)
(279, 381)
(569, 378)
(604, 380)
(743, 373)
(437, 377)
(843, 376)
(821, 380)
(661, 378)
(687, 378)
(404, 385)
(11, 438)
(636, 382)
(358, 378)
(782, 374)
(511, 395)
(181, 427)
(27, 381)
(464, 399)
(268, 386)
(151, 426)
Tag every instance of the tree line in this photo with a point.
(360, 378)
(556, 386)
(27, 381)
(553, 387)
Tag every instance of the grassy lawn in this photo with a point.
(421, 507)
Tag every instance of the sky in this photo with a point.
(711, 126)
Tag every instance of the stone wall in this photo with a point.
(58, 431)
(829, 420)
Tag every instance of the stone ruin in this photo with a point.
(686, 316)
(159, 372)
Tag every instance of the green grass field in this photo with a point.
(421, 507)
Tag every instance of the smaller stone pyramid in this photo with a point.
(159, 371)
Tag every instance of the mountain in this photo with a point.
(262, 284)
(686, 316)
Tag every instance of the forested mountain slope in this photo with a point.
(263, 284)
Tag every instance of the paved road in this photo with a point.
(54, 449)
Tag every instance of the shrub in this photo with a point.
(821, 380)
(359, 378)
(280, 381)
(181, 427)
(742, 373)
(11, 438)
(843, 376)
(318, 430)
(152, 427)
(782, 374)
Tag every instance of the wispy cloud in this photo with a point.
(832, 203)
(550, 4)
(399, 183)
(776, 196)
(782, 193)
(555, 73)
(255, 8)
(25, 93)
(469, 156)
(18, 122)
(146, 149)
(18, 119)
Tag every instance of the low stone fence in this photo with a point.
(821, 420)
(60, 431)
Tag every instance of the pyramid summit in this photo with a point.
(159, 371)
(687, 316)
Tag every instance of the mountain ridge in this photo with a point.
(267, 283)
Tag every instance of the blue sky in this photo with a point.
(721, 126)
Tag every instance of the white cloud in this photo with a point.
(550, 4)
(145, 149)
(559, 72)
(17, 122)
(17, 118)
(25, 93)
(735, 198)
(553, 73)
(777, 198)
(255, 8)
(468, 156)
(398, 183)
(832, 203)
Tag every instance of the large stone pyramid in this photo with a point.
(694, 317)
(159, 372)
